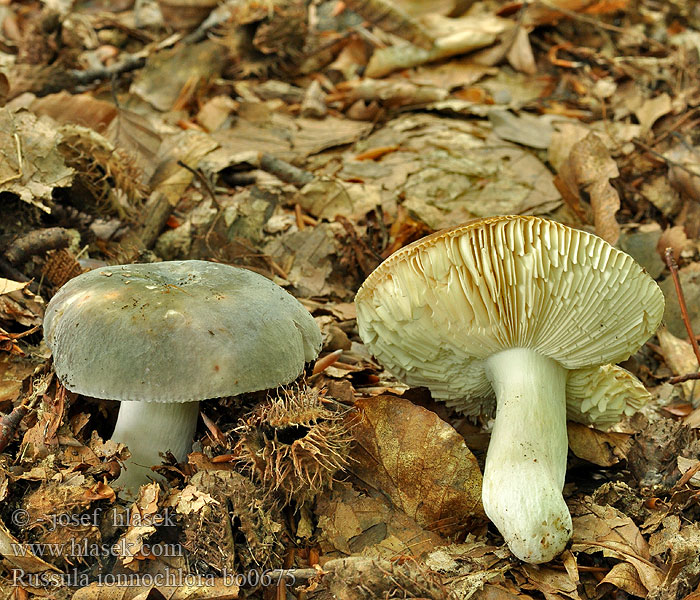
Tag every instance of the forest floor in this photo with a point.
(308, 141)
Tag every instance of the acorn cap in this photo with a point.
(436, 309)
(177, 331)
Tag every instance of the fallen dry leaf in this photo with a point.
(417, 460)
(212, 588)
(453, 36)
(589, 169)
(676, 239)
(24, 560)
(552, 583)
(166, 73)
(607, 530)
(390, 16)
(680, 357)
(31, 165)
(350, 523)
(690, 282)
(626, 578)
(599, 447)
(684, 172)
(358, 578)
(685, 465)
(652, 110)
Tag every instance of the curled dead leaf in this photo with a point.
(419, 461)
(599, 447)
(605, 529)
(589, 169)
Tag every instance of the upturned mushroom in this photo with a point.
(161, 337)
(529, 311)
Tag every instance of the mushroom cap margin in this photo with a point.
(177, 331)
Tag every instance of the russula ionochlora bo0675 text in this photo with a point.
(530, 312)
(161, 337)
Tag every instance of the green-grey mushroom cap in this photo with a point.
(177, 331)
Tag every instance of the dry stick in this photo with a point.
(37, 242)
(202, 179)
(595, 22)
(673, 267)
(9, 423)
(323, 363)
(660, 157)
(285, 171)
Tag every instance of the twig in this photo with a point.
(285, 171)
(663, 159)
(203, 180)
(20, 171)
(673, 267)
(323, 363)
(299, 217)
(130, 63)
(687, 476)
(595, 22)
(154, 217)
(9, 423)
(683, 378)
(37, 242)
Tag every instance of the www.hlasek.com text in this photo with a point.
(74, 549)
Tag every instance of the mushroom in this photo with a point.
(161, 337)
(514, 307)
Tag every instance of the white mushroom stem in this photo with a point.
(526, 459)
(149, 429)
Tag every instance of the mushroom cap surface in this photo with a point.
(177, 331)
(436, 309)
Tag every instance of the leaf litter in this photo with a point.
(307, 142)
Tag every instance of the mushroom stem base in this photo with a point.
(526, 459)
(151, 428)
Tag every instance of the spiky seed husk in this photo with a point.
(295, 443)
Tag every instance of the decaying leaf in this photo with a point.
(599, 447)
(305, 257)
(589, 169)
(450, 171)
(690, 282)
(552, 583)
(14, 370)
(228, 524)
(453, 36)
(352, 524)
(20, 556)
(607, 530)
(653, 109)
(684, 173)
(681, 359)
(359, 578)
(126, 588)
(417, 460)
(167, 73)
(525, 129)
(327, 199)
(625, 577)
(390, 17)
(31, 165)
(652, 459)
